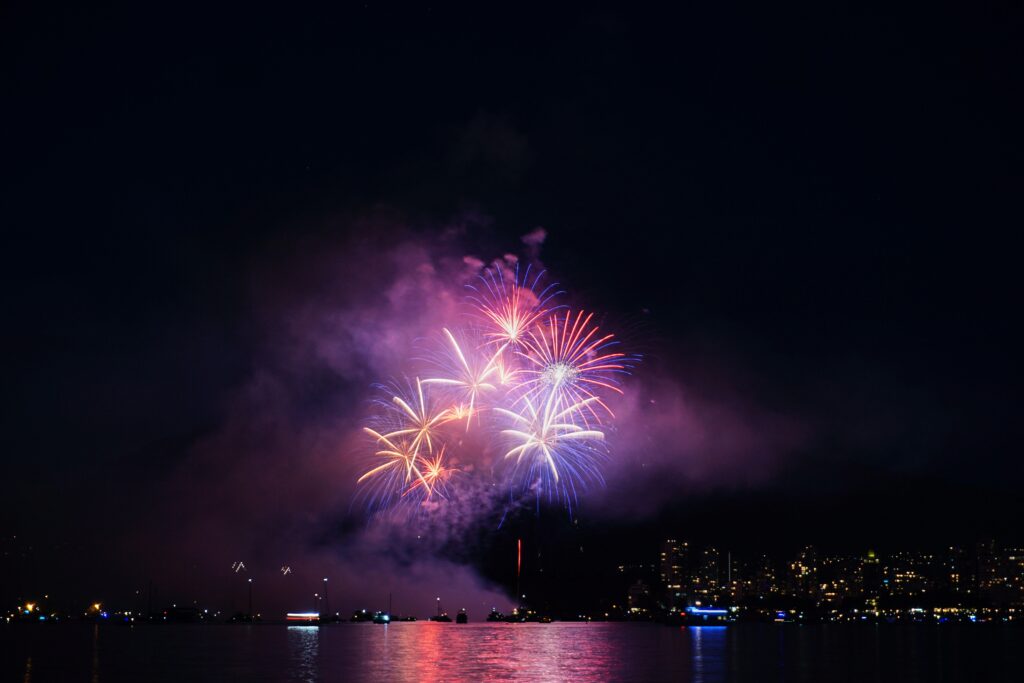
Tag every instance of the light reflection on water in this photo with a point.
(555, 652)
(304, 646)
(708, 646)
(95, 677)
(583, 653)
(534, 652)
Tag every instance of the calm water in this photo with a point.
(536, 652)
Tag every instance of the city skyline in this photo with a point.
(986, 574)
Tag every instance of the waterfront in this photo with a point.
(425, 651)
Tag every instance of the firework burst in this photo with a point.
(400, 467)
(416, 418)
(568, 358)
(550, 447)
(434, 477)
(509, 305)
(468, 376)
(527, 383)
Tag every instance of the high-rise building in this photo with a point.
(908, 574)
(638, 597)
(739, 579)
(987, 576)
(952, 571)
(871, 575)
(804, 573)
(707, 580)
(839, 577)
(765, 581)
(674, 574)
(1014, 573)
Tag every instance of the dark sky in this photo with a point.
(810, 212)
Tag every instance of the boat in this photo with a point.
(710, 616)
(462, 617)
(303, 617)
(441, 615)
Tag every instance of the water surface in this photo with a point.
(425, 651)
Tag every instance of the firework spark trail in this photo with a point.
(417, 419)
(435, 475)
(510, 304)
(468, 376)
(400, 467)
(569, 358)
(552, 447)
(399, 457)
(541, 375)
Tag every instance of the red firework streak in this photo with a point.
(519, 565)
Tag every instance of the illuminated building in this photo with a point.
(638, 598)
(1014, 573)
(804, 573)
(674, 574)
(907, 574)
(765, 578)
(706, 580)
(953, 572)
(871, 575)
(987, 562)
(840, 577)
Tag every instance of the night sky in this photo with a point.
(807, 219)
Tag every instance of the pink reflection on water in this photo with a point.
(427, 651)
(497, 652)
